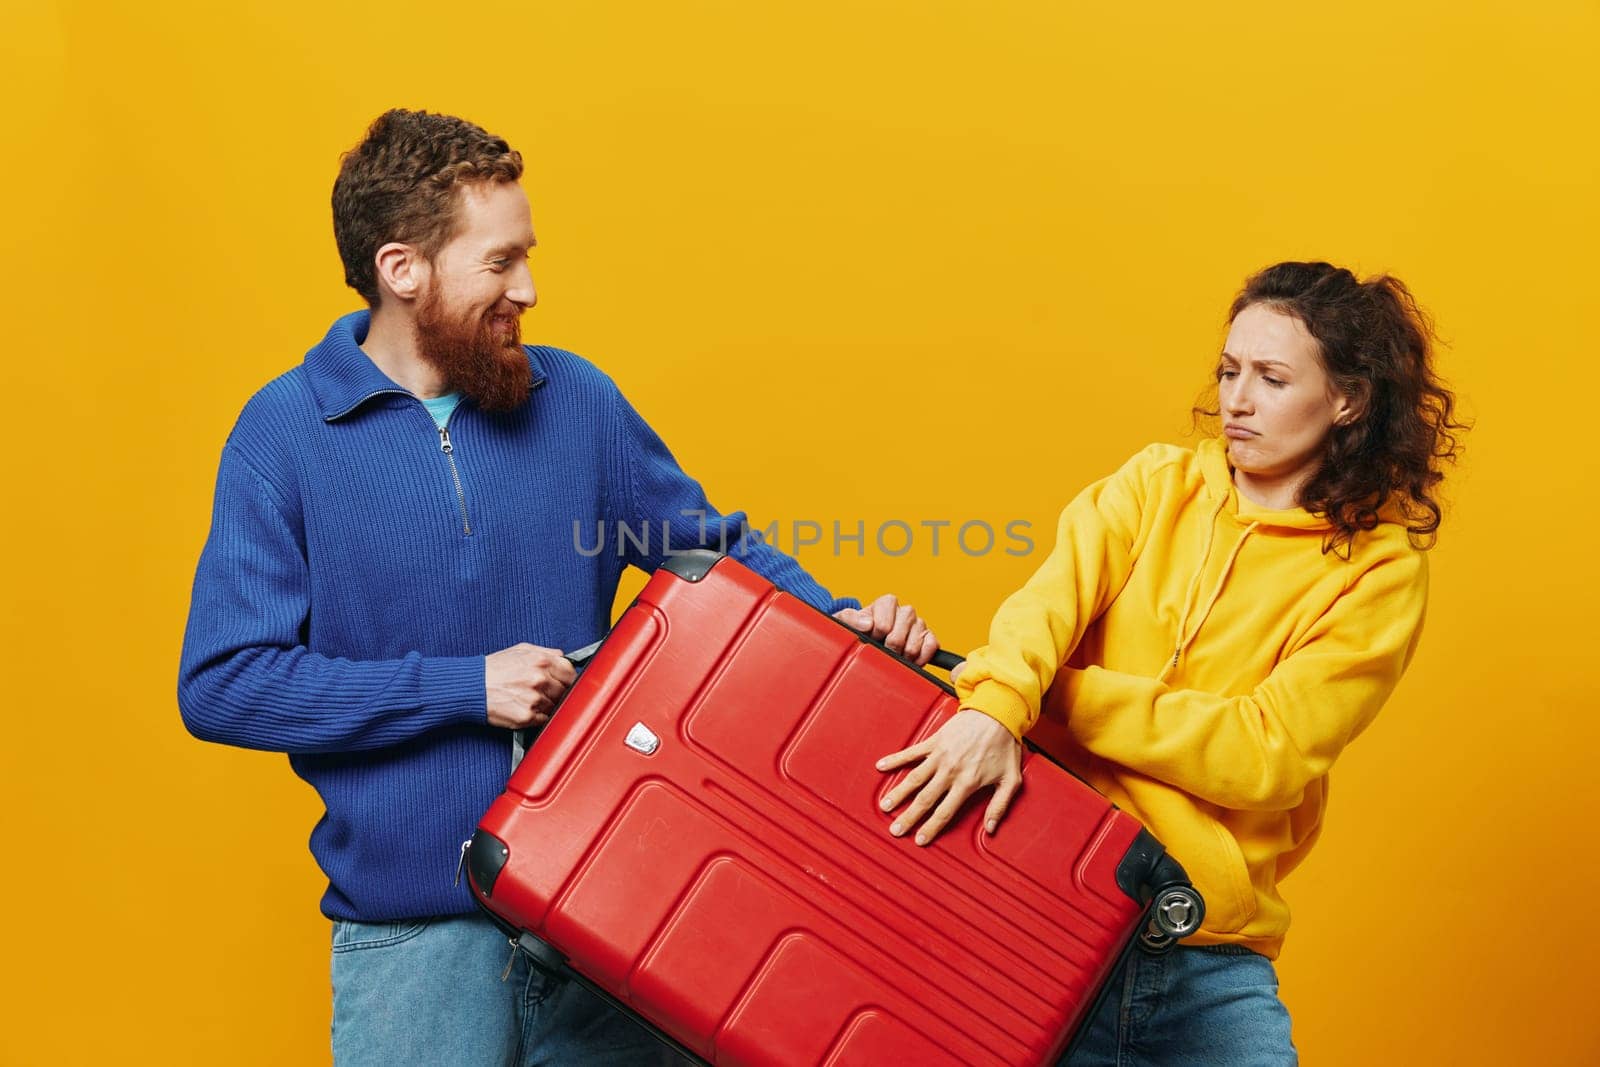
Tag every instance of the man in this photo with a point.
(394, 525)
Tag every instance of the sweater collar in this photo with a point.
(343, 377)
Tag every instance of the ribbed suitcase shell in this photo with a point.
(738, 887)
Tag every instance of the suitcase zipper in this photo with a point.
(507, 972)
(460, 864)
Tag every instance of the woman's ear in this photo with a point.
(1352, 406)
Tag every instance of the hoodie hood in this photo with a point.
(1218, 474)
(1248, 517)
(1212, 454)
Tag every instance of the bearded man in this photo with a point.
(393, 570)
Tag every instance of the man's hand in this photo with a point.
(964, 755)
(896, 625)
(524, 682)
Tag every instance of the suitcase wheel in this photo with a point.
(1178, 910)
(1175, 913)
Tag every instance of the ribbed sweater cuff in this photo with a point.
(454, 689)
(1002, 703)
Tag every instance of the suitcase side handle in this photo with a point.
(580, 657)
(522, 739)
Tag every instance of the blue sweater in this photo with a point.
(356, 575)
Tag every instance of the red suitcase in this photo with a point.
(696, 834)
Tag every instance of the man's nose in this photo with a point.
(521, 291)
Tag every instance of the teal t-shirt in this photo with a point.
(440, 407)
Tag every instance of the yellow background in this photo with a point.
(859, 261)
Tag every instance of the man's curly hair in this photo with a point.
(1376, 346)
(399, 184)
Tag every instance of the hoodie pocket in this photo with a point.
(1231, 900)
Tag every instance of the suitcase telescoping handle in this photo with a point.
(943, 659)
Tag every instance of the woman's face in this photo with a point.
(1277, 402)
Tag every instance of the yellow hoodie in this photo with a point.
(1202, 662)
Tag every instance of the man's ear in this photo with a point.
(402, 270)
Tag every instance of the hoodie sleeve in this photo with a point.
(665, 511)
(1260, 751)
(245, 678)
(1037, 627)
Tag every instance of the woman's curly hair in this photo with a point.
(1376, 346)
(399, 184)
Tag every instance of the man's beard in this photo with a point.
(479, 356)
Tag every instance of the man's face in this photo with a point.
(468, 315)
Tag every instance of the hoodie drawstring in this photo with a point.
(1194, 585)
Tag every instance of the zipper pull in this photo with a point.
(462, 862)
(444, 440)
(507, 972)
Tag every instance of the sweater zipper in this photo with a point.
(449, 453)
(449, 450)
(444, 446)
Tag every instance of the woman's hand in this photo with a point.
(966, 754)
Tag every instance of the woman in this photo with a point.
(1211, 629)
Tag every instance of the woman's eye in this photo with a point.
(1272, 381)
(1227, 374)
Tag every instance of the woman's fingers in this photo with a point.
(960, 790)
(938, 783)
(912, 782)
(895, 760)
(968, 753)
(1003, 793)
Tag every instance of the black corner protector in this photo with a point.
(1169, 872)
(1138, 865)
(544, 956)
(692, 565)
(486, 856)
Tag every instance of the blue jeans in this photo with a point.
(1192, 1006)
(428, 992)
